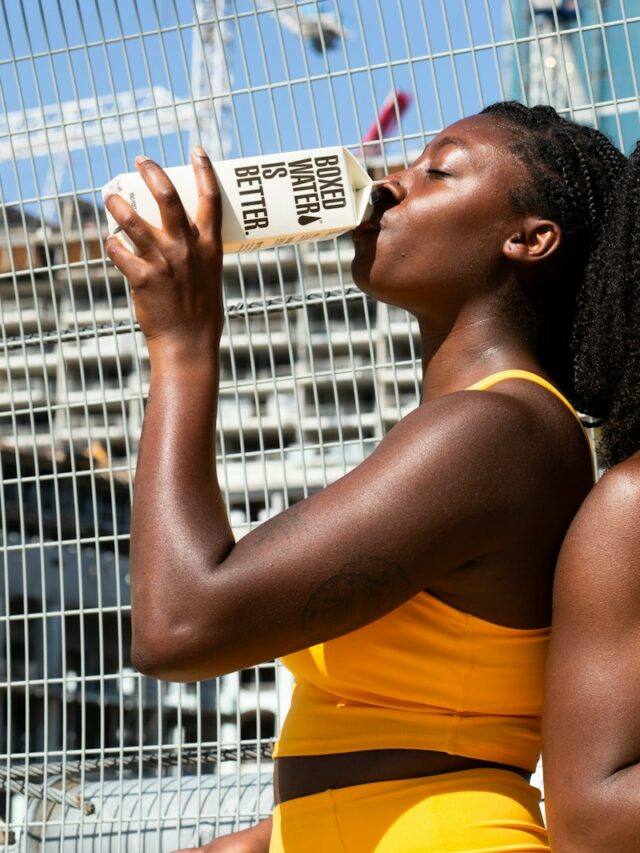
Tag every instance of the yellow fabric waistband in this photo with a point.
(476, 811)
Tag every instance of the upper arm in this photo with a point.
(439, 490)
(591, 722)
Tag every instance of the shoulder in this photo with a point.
(610, 513)
(483, 415)
(482, 454)
(599, 564)
(618, 490)
(492, 430)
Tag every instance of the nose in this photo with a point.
(392, 190)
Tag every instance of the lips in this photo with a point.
(369, 226)
(365, 229)
(383, 200)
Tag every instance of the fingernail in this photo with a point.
(142, 158)
(199, 151)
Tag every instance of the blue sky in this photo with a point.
(286, 94)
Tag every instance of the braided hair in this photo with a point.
(571, 173)
(607, 335)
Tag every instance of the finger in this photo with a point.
(209, 211)
(139, 231)
(172, 213)
(131, 266)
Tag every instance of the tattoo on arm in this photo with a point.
(353, 597)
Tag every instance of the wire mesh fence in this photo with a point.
(94, 756)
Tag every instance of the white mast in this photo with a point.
(554, 76)
(211, 77)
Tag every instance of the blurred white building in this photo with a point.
(312, 376)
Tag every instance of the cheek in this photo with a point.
(434, 245)
(466, 234)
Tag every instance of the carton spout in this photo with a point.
(375, 193)
(366, 199)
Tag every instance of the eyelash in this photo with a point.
(437, 172)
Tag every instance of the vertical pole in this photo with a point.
(211, 77)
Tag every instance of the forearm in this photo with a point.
(261, 834)
(254, 840)
(179, 528)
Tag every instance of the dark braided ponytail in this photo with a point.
(607, 336)
(572, 171)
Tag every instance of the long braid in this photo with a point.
(607, 334)
(572, 170)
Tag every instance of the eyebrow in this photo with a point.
(450, 140)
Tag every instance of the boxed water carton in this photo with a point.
(272, 200)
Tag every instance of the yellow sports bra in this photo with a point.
(425, 676)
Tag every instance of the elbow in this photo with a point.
(585, 839)
(589, 825)
(570, 834)
(152, 662)
(179, 657)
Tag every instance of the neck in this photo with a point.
(482, 340)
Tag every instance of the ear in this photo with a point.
(536, 240)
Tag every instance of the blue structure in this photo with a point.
(583, 58)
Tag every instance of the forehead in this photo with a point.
(487, 145)
(475, 131)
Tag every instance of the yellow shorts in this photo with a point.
(472, 811)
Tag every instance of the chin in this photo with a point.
(372, 289)
(375, 283)
(364, 274)
(360, 271)
(361, 275)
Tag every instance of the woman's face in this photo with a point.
(436, 236)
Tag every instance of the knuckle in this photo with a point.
(169, 196)
(143, 280)
(165, 267)
(180, 255)
(211, 193)
(131, 221)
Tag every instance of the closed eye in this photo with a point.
(438, 173)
